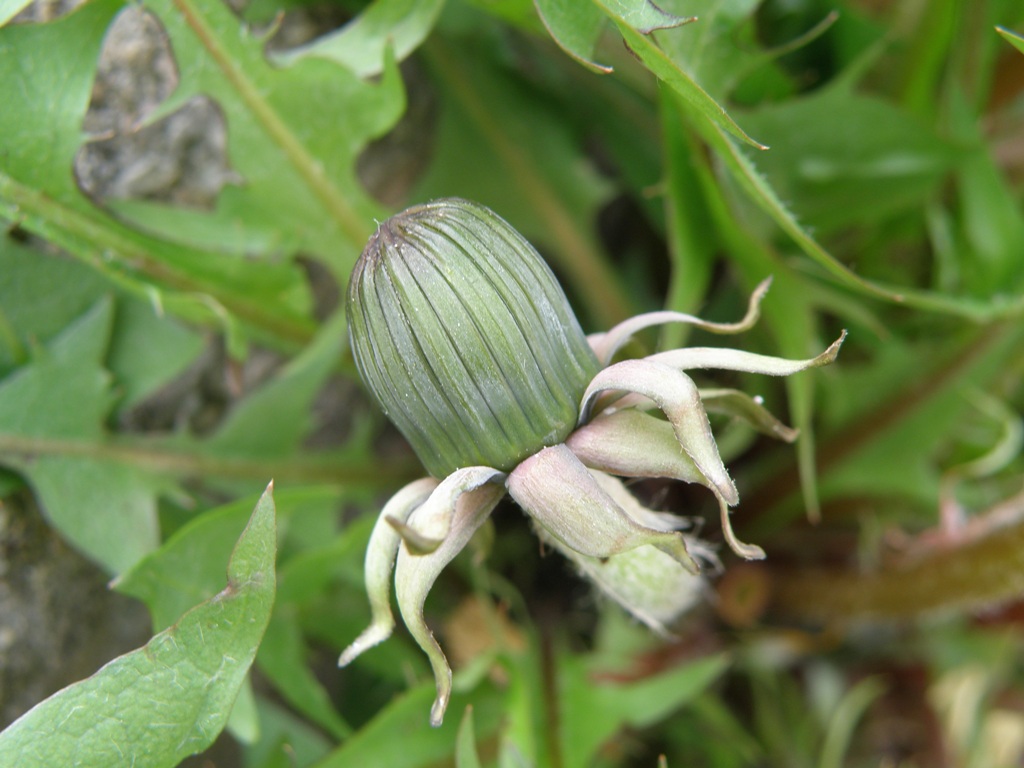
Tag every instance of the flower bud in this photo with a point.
(464, 337)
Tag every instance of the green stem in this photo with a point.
(551, 698)
(183, 462)
(118, 252)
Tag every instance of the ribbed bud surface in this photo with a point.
(465, 338)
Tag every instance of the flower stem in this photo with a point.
(191, 462)
(980, 573)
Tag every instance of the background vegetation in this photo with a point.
(185, 187)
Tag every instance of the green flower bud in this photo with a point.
(464, 337)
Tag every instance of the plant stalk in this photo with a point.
(979, 573)
(193, 462)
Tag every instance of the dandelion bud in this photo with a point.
(465, 338)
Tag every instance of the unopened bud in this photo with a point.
(464, 337)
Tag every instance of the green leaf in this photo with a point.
(720, 48)
(41, 294)
(186, 570)
(911, 416)
(642, 15)
(244, 721)
(592, 711)
(576, 27)
(309, 572)
(199, 229)
(39, 297)
(168, 700)
(46, 78)
(991, 219)
(45, 90)
(667, 70)
(1013, 38)
(212, 288)
(285, 740)
(294, 132)
(524, 738)
(746, 175)
(147, 350)
(362, 45)
(101, 492)
(842, 158)
(854, 705)
(283, 659)
(62, 398)
(465, 743)
(108, 511)
(420, 745)
(273, 420)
